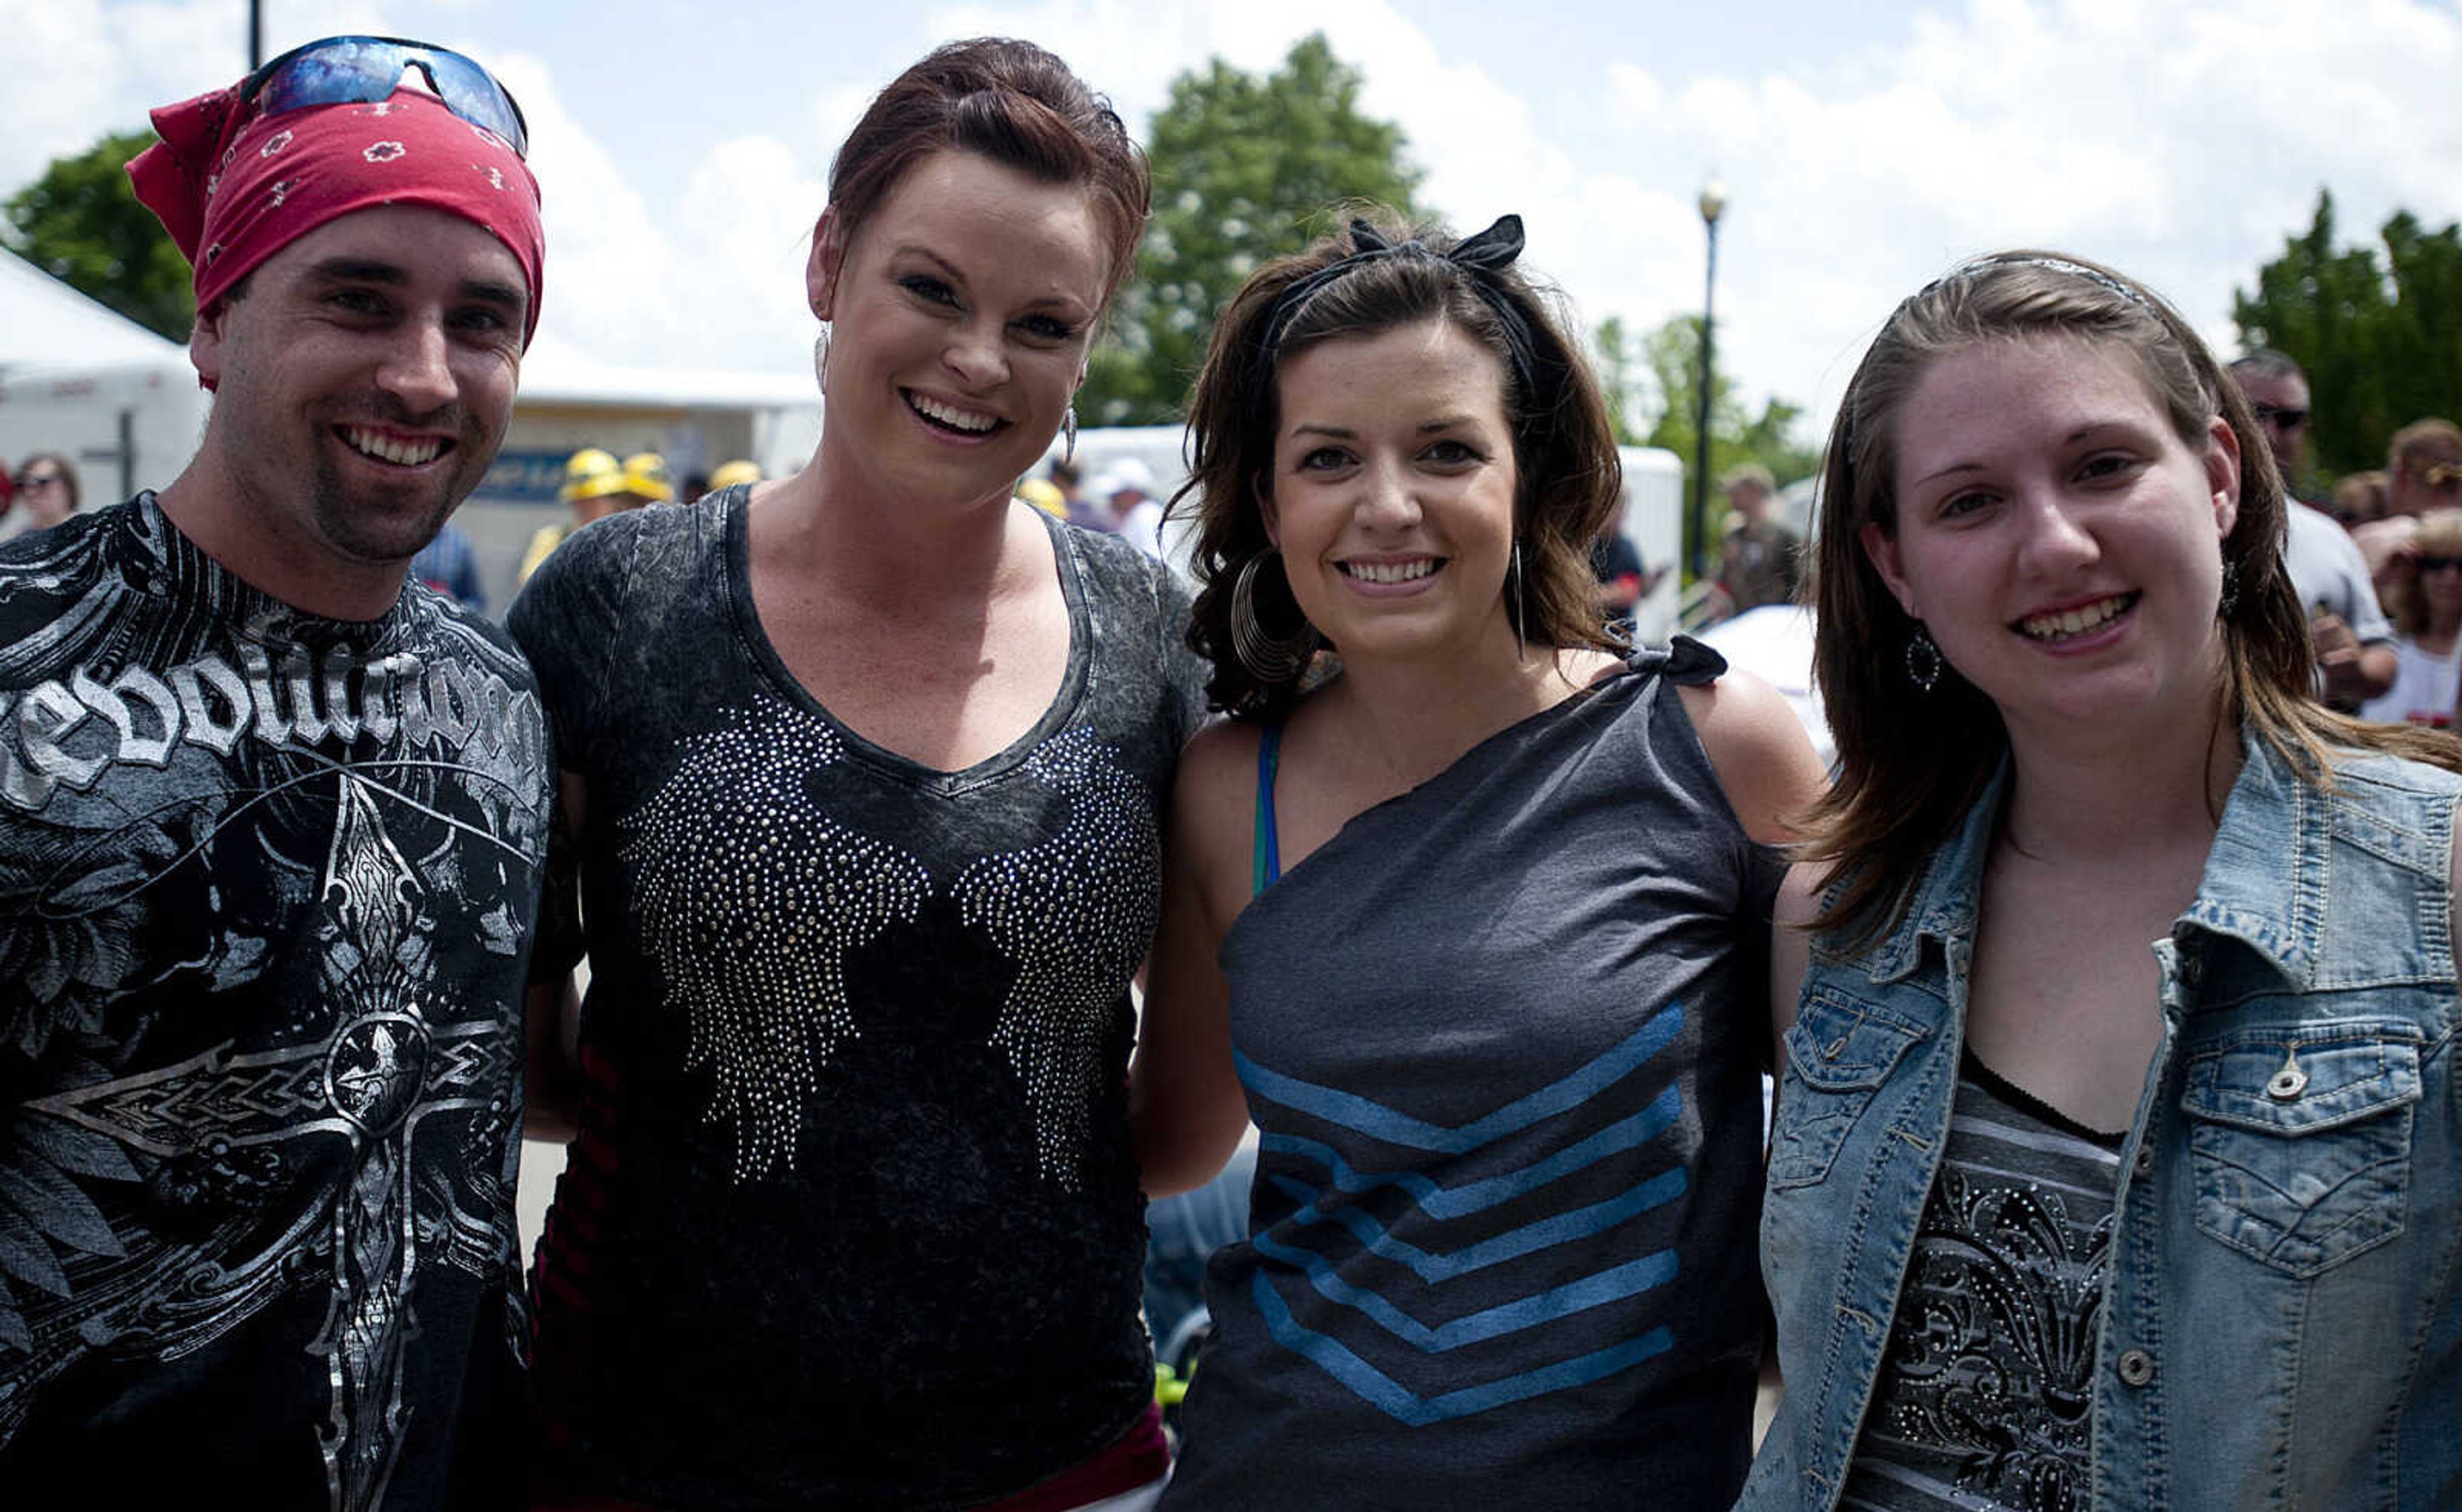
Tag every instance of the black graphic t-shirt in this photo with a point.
(852, 1219)
(269, 882)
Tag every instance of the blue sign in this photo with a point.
(524, 477)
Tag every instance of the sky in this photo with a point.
(1864, 149)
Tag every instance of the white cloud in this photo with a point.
(59, 82)
(613, 288)
(2181, 139)
(2181, 143)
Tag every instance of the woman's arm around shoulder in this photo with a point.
(1186, 1111)
(1799, 909)
(1764, 761)
(551, 1030)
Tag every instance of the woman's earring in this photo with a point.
(1521, 647)
(1068, 433)
(821, 358)
(1267, 658)
(2231, 590)
(1923, 659)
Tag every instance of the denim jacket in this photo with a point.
(2281, 1318)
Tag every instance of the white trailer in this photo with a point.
(81, 380)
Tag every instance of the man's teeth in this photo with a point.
(1390, 572)
(2074, 621)
(388, 448)
(965, 419)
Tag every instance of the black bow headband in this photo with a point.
(1484, 257)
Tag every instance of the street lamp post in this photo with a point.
(1714, 203)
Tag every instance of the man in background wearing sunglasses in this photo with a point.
(2347, 630)
(271, 835)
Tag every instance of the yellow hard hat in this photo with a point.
(1044, 495)
(731, 473)
(590, 474)
(645, 474)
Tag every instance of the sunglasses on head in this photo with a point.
(2281, 417)
(363, 70)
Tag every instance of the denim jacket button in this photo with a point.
(2146, 1158)
(2136, 1367)
(2287, 1084)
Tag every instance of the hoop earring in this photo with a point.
(1267, 658)
(1521, 647)
(821, 358)
(1068, 433)
(1923, 659)
(2231, 590)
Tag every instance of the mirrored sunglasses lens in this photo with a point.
(474, 95)
(338, 73)
(362, 70)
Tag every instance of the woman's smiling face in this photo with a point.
(2056, 535)
(960, 313)
(1392, 493)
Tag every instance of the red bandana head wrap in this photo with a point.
(234, 186)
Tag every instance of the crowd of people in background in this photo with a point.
(886, 877)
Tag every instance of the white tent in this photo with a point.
(124, 403)
(81, 380)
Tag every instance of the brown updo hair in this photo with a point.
(1012, 102)
(1563, 443)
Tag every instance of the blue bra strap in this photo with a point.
(1266, 852)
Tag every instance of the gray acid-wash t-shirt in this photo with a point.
(853, 1219)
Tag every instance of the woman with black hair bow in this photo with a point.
(1471, 907)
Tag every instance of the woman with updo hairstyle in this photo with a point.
(865, 772)
(1468, 910)
(2115, 1158)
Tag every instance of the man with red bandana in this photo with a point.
(272, 821)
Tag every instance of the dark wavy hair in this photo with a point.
(1563, 444)
(1014, 103)
(1910, 764)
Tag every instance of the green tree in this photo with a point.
(1619, 381)
(82, 223)
(1246, 169)
(1673, 355)
(2381, 340)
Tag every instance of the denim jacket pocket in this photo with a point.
(1839, 1051)
(2300, 1139)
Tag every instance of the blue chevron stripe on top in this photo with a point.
(1374, 1118)
(1629, 1132)
(1557, 1228)
(1612, 1284)
(1397, 1401)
